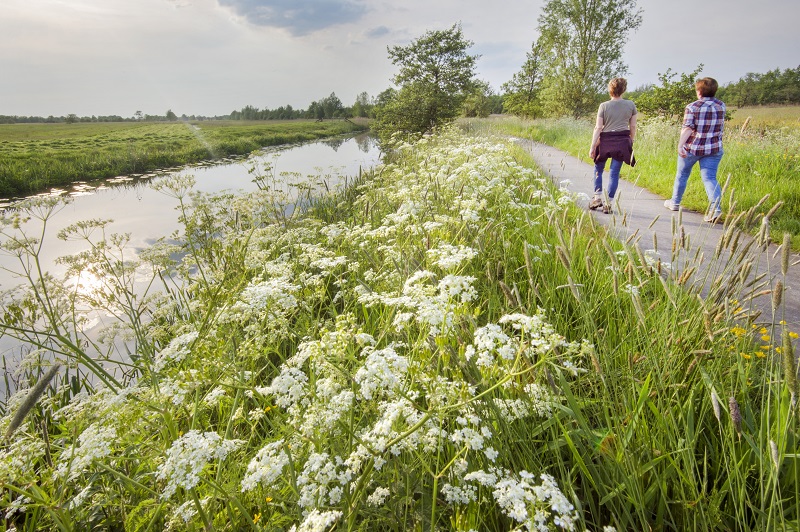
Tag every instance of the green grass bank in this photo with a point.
(761, 160)
(450, 344)
(37, 157)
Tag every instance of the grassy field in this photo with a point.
(761, 161)
(450, 344)
(36, 157)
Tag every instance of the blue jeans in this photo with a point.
(708, 173)
(613, 176)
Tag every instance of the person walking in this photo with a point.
(701, 142)
(612, 138)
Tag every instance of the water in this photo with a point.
(147, 214)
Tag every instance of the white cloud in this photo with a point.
(213, 56)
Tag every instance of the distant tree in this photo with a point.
(522, 92)
(670, 98)
(583, 41)
(478, 102)
(363, 105)
(71, 118)
(436, 74)
(171, 116)
(138, 115)
(772, 87)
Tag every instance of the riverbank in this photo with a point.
(37, 157)
(450, 344)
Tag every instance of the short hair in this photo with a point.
(617, 86)
(707, 87)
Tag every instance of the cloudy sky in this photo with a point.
(209, 57)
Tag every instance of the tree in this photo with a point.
(478, 102)
(522, 92)
(669, 100)
(436, 73)
(71, 118)
(583, 40)
(171, 116)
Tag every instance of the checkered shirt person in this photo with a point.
(705, 118)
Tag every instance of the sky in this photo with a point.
(210, 57)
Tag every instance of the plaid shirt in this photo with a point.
(705, 118)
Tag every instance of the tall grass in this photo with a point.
(34, 158)
(448, 344)
(761, 160)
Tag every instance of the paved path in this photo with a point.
(640, 214)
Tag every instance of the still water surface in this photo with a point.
(147, 214)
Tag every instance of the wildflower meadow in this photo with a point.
(449, 343)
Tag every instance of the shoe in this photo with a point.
(596, 203)
(671, 206)
(713, 218)
(606, 208)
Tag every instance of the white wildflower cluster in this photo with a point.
(266, 467)
(188, 457)
(19, 458)
(378, 496)
(534, 506)
(94, 443)
(449, 257)
(382, 372)
(535, 400)
(322, 480)
(213, 397)
(274, 295)
(515, 335)
(175, 352)
(317, 521)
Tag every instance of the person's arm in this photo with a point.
(686, 132)
(598, 128)
(632, 126)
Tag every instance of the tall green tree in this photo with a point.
(522, 92)
(584, 39)
(670, 98)
(436, 74)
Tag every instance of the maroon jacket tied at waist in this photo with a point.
(616, 145)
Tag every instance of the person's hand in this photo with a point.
(592, 153)
(682, 152)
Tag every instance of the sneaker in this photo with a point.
(606, 208)
(671, 206)
(596, 203)
(713, 218)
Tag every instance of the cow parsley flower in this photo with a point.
(188, 457)
(93, 443)
(317, 521)
(266, 466)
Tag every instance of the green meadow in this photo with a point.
(762, 159)
(449, 344)
(37, 157)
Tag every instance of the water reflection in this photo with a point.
(137, 209)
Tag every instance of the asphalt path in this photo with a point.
(639, 217)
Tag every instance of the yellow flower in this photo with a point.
(778, 350)
(766, 347)
(763, 330)
(256, 518)
(760, 354)
(765, 338)
(738, 331)
(793, 335)
(269, 499)
(745, 356)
